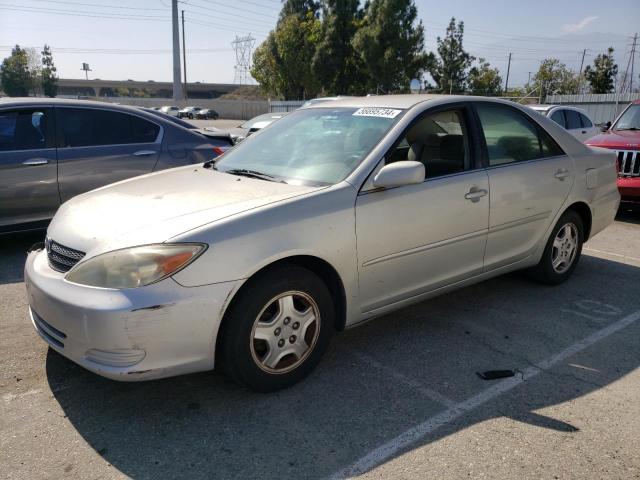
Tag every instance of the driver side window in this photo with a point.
(438, 140)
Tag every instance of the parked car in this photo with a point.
(249, 127)
(330, 217)
(624, 138)
(92, 144)
(575, 120)
(188, 112)
(315, 101)
(170, 110)
(207, 114)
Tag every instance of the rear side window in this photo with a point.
(25, 129)
(558, 117)
(512, 137)
(83, 127)
(586, 123)
(573, 119)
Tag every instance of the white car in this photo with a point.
(333, 215)
(575, 120)
(170, 110)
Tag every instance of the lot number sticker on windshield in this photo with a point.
(376, 112)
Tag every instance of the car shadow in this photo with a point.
(14, 253)
(629, 213)
(374, 383)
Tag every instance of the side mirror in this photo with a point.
(605, 126)
(399, 173)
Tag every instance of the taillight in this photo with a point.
(220, 150)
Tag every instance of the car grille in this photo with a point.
(628, 163)
(62, 258)
(51, 334)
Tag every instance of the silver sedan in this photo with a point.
(335, 214)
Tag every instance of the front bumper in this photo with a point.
(629, 188)
(157, 331)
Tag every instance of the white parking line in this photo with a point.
(392, 447)
(604, 252)
(402, 378)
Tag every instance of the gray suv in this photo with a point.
(52, 150)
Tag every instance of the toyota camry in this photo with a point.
(338, 213)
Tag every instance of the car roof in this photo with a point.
(383, 101)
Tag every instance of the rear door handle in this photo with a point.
(561, 174)
(35, 161)
(475, 194)
(144, 153)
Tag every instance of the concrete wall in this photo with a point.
(231, 109)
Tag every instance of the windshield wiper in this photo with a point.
(627, 128)
(243, 172)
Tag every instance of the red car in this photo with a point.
(624, 137)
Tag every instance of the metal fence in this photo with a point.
(600, 107)
(284, 105)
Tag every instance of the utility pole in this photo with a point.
(177, 87)
(633, 59)
(584, 52)
(529, 78)
(184, 58)
(506, 83)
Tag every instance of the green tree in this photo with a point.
(49, 77)
(484, 80)
(299, 8)
(15, 75)
(390, 45)
(336, 63)
(601, 76)
(282, 63)
(449, 71)
(553, 77)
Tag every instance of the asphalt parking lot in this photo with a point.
(396, 398)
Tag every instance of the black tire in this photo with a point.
(544, 272)
(236, 344)
(191, 116)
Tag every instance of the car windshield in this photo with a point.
(316, 146)
(630, 119)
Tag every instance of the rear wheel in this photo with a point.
(277, 328)
(562, 251)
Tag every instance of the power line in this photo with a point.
(99, 5)
(234, 18)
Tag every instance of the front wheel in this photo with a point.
(277, 328)
(562, 251)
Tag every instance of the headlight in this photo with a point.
(134, 267)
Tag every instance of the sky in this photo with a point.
(124, 39)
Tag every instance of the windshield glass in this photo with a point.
(312, 146)
(630, 119)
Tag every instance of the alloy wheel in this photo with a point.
(565, 247)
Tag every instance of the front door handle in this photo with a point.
(561, 174)
(475, 194)
(144, 153)
(36, 161)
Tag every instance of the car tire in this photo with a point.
(276, 329)
(190, 116)
(562, 252)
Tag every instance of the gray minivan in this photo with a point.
(54, 149)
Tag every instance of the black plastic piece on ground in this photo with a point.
(495, 374)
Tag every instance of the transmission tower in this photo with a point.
(243, 47)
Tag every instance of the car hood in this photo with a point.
(156, 207)
(626, 139)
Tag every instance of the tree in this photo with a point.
(390, 45)
(553, 77)
(336, 62)
(49, 78)
(15, 76)
(601, 76)
(299, 8)
(450, 70)
(484, 80)
(282, 63)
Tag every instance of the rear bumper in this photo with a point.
(157, 331)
